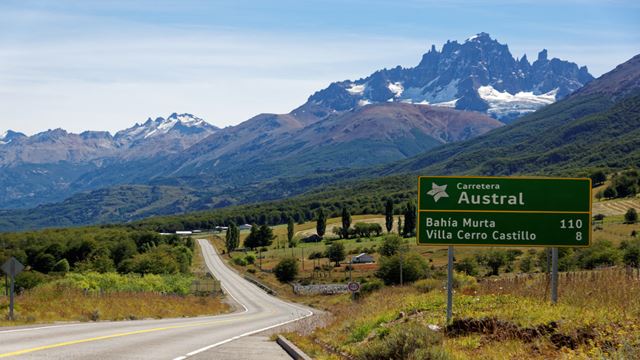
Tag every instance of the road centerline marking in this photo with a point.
(106, 337)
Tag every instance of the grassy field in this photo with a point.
(596, 318)
(505, 317)
(94, 297)
(50, 304)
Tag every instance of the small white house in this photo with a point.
(184, 233)
(244, 227)
(363, 258)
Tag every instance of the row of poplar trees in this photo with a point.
(263, 236)
(408, 229)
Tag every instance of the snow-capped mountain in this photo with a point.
(479, 75)
(154, 137)
(183, 124)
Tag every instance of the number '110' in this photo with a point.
(571, 224)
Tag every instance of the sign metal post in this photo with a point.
(450, 285)
(554, 275)
(12, 267)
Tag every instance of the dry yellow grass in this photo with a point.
(603, 303)
(52, 305)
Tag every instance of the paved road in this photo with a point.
(157, 339)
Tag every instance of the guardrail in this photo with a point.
(262, 286)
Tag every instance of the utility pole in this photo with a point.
(260, 257)
(302, 249)
(401, 261)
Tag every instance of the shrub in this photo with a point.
(413, 268)
(240, 261)
(250, 259)
(371, 286)
(316, 255)
(610, 193)
(61, 266)
(428, 285)
(602, 253)
(631, 253)
(286, 270)
(410, 341)
(390, 245)
(461, 281)
(468, 266)
(44, 262)
(30, 279)
(494, 259)
(631, 216)
(526, 264)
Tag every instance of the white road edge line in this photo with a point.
(195, 352)
(209, 347)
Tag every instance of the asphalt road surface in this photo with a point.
(157, 339)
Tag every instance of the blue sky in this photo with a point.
(104, 65)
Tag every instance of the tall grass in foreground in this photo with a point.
(597, 317)
(616, 291)
(110, 296)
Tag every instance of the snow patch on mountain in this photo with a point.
(502, 103)
(449, 104)
(356, 89)
(396, 88)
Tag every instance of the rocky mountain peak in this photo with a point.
(480, 74)
(10, 136)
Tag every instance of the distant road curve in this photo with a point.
(157, 339)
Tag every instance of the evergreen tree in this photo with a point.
(265, 236)
(321, 224)
(290, 230)
(409, 220)
(399, 225)
(346, 222)
(388, 215)
(253, 240)
(232, 238)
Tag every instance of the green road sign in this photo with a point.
(500, 211)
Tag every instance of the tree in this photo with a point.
(62, 266)
(253, 239)
(598, 178)
(468, 266)
(321, 224)
(265, 235)
(631, 254)
(44, 262)
(336, 253)
(494, 259)
(610, 193)
(625, 185)
(286, 270)
(413, 268)
(409, 220)
(631, 216)
(390, 245)
(388, 215)
(290, 231)
(232, 238)
(346, 222)
(399, 225)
